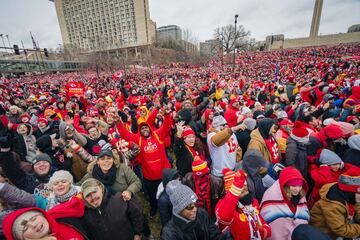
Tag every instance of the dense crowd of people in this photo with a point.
(268, 151)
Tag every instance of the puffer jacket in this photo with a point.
(279, 212)
(332, 216)
(296, 156)
(200, 229)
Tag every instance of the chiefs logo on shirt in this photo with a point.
(150, 147)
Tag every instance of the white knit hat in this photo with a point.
(58, 176)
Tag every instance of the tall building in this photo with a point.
(105, 24)
(168, 32)
(210, 47)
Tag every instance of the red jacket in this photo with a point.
(324, 175)
(231, 116)
(59, 230)
(152, 155)
(229, 214)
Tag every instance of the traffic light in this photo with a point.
(16, 49)
(46, 53)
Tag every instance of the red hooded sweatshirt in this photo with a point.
(152, 155)
(59, 230)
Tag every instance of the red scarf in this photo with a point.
(202, 190)
(273, 149)
(194, 153)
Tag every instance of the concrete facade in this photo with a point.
(330, 39)
(169, 32)
(210, 47)
(104, 25)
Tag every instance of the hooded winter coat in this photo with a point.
(257, 143)
(61, 231)
(296, 156)
(253, 161)
(152, 157)
(331, 214)
(279, 211)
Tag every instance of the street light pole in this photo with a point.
(233, 68)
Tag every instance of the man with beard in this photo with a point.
(239, 211)
(152, 157)
(107, 215)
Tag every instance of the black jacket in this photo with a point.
(243, 138)
(30, 182)
(183, 155)
(200, 229)
(164, 203)
(114, 219)
(352, 156)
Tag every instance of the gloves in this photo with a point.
(238, 183)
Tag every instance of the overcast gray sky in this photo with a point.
(261, 17)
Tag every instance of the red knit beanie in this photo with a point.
(332, 131)
(25, 118)
(43, 120)
(299, 131)
(350, 180)
(222, 105)
(199, 166)
(188, 131)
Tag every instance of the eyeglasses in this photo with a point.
(190, 207)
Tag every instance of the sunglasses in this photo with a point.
(190, 207)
